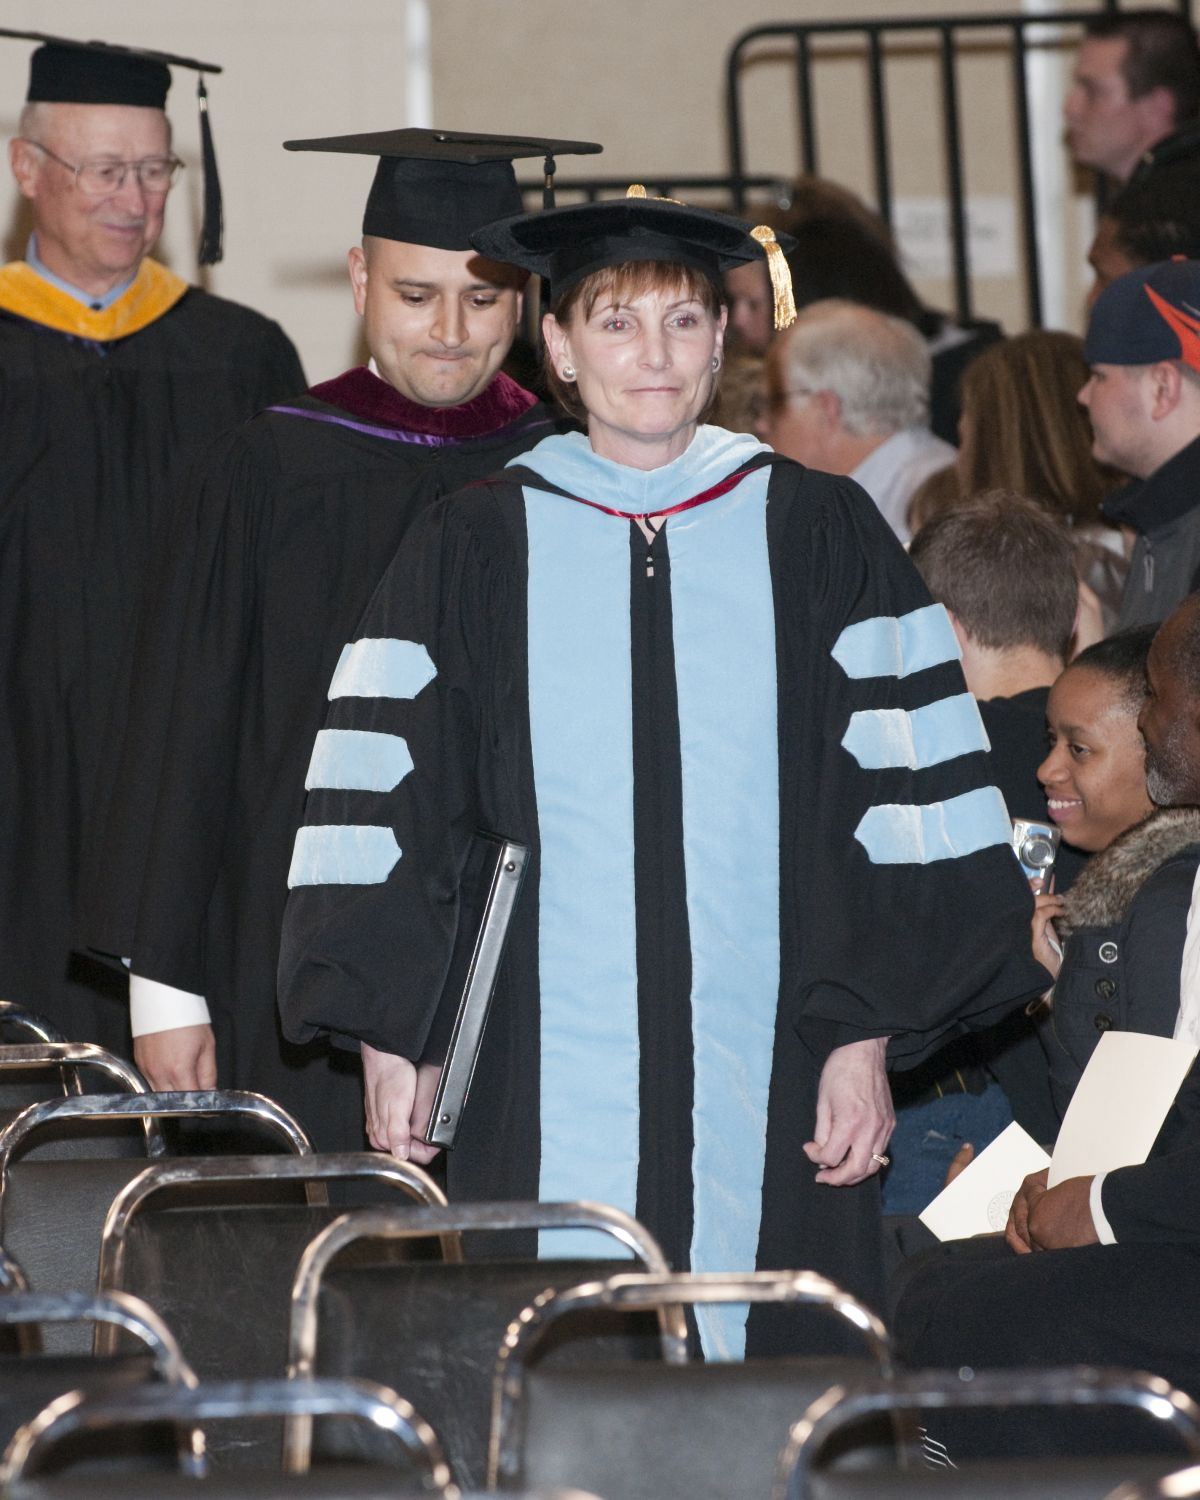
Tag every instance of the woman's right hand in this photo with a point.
(398, 1096)
(1046, 947)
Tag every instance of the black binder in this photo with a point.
(490, 886)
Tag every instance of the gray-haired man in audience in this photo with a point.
(848, 392)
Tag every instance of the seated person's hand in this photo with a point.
(1057, 1218)
(1046, 947)
(960, 1161)
(1017, 1230)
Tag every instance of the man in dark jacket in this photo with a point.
(1101, 1270)
(1135, 94)
(1143, 399)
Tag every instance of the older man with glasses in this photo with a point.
(848, 393)
(114, 375)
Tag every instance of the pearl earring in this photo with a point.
(568, 372)
(716, 363)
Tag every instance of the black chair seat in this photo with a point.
(340, 1482)
(433, 1331)
(30, 1382)
(1050, 1479)
(53, 1214)
(699, 1432)
(335, 1482)
(221, 1279)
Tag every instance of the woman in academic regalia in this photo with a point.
(709, 692)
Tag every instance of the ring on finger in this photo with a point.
(884, 1161)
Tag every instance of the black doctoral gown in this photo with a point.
(290, 522)
(100, 416)
(759, 806)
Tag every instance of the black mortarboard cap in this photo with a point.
(63, 71)
(566, 244)
(436, 187)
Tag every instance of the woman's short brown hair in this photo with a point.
(633, 278)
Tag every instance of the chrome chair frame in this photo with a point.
(630, 1293)
(453, 1220)
(15, 1014)
(108, 1309)
(1184, 1484)
(53, 1051)
(78, 1055)
(383, 1408)
(312, 1171)
(26, 1311)
(12, 1014)
(150, 1106)
(12, 1276)
(950, 1390)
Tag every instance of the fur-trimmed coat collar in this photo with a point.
(1111, 879)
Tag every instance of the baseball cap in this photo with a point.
(1147, 315)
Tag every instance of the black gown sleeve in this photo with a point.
(271, 367)
(372, 912)
(911, 917)
(1158, 1201)
(151, 879)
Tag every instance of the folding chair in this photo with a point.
(699, 1431)
(27, 1072)
(1183, 1484)
(928, 1391)
(432, 1329)
(423, 1469)
(52, 1211)
(219, 1265)
(30, 1379)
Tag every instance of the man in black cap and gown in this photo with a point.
(289, 525)
(114, 374)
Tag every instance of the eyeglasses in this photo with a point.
(99, 179)
(777, 400)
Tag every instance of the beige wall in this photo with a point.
(645, 77)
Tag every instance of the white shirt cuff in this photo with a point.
(1104, 1230)
(160, 1007)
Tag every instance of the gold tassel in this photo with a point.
(780, 274)
(636, 190)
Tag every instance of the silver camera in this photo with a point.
(1036, 848)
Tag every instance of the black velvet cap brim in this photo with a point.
(468, 148)
(566, 244)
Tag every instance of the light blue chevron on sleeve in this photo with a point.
(382, 668)
(358, 760)
(897, 645)
(897, 833)
(343, 854)
(881, 738)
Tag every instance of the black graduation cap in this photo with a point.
(63, 71)
(566, 244)
(435, 187)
